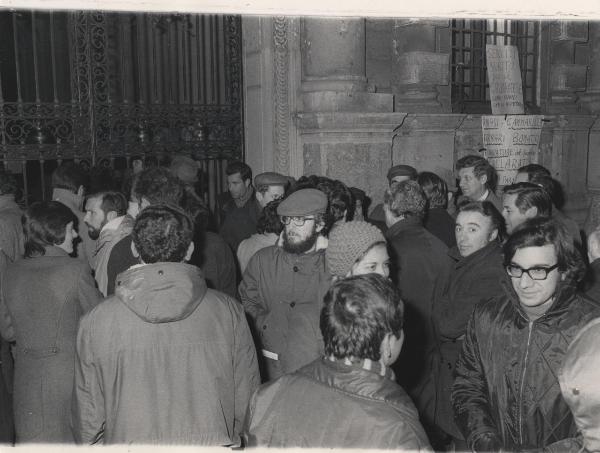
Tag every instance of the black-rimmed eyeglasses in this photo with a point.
(298, 221)
(535, 273)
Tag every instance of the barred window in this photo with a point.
(470, 88)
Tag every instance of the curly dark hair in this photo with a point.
(162, 233)
(547, 231)
(44, 224)
(239, 167)
(357, 314)
(158, 185)
(480, 167)
(406, 199)
(269, 221)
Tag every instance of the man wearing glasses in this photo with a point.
(506, 392)
(283, 287)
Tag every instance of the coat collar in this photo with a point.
(490, 249)
(408, 223)
(69, 199)
(53, 250)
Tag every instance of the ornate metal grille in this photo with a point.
(470, 89)
(103, 87)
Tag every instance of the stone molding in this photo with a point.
(281, 106)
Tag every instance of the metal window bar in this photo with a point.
(470, 88)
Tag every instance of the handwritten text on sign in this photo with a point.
(511, 141)
(504, 76)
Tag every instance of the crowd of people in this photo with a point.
(296, 316)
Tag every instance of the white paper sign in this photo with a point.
(504, 77)
(510, 142)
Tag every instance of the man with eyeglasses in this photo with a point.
(506, 394)
(283, 287)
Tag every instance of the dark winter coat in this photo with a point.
(45, 297)
(238, 223)
(421, 267)
(441, 224)
(474, 279)
(165, 360)
(283, 294)
(331, 404)
(506, 376)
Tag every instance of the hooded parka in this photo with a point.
(506, 382)
(165, 360)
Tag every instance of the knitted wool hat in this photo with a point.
(347, 242)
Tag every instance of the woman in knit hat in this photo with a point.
(357, 248)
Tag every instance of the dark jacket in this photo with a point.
(283, 294)
(45, 297)
(421, 267)
(441, 224)
(506, 376)
(474, 279)
(238, 223)
(165, 360)
(330, 404)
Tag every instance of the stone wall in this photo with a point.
(343, 120)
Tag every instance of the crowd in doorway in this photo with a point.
(295, 315)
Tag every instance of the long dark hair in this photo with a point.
(44, 224)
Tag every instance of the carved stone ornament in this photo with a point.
(281, 107)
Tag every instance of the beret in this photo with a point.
(185, 168)
(270, 178)
(303, 202)
(401, 170)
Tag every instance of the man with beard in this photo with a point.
(283, 287)
(107, 222)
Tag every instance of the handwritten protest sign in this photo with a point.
(511, 141)
(504, 77)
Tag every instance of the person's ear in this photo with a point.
(493, 235)
(111, 215)
(531, 213)
(247, 182)
(81, 191)
(483, 179)
(134, 250)
(190, 250)
(319, 226)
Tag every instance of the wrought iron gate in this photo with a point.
(102, 88)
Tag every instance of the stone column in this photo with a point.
(333, 67)
(566, 77)
(417, 66)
